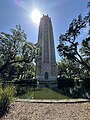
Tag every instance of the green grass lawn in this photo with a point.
(42, 93)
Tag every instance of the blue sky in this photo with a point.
(62, 12)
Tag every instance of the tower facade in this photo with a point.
(46, 66)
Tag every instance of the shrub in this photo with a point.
(31, 82)
(65, 83)
(86, 83)
(6, 97)
(20, 90)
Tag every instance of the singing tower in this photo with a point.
(46, 66)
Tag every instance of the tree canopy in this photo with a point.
(16, 51)
(69, 43)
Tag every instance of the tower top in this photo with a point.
(45, 15)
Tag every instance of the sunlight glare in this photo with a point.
(35, 16)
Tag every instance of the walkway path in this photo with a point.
(31, 110)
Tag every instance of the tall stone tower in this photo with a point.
(46, 66)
